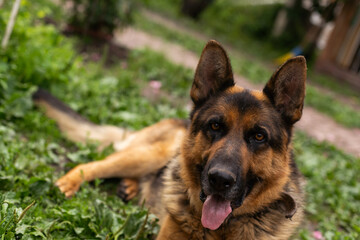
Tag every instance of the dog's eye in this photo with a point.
(215, 126)
(259, 137)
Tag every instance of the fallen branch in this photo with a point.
(11, 23)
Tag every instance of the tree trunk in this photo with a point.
(193, 8)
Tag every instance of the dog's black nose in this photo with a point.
(221, 179)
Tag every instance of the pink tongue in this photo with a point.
(214, 212)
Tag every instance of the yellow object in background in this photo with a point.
(280, 60)
(293, 53)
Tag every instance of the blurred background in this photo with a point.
(131, 63)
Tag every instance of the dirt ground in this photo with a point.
(313, 123)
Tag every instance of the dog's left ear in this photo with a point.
(286, 89)
(213, 73)
(287, 205)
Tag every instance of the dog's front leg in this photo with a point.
(132, 162)
(70, 183)
(170, 230)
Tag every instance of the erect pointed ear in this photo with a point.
(286, 89)
(213, 73)
(287, 205)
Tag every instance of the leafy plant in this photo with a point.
(37, 55)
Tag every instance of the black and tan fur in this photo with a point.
(236, 149)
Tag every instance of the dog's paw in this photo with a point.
(127, 189)
(70, 183)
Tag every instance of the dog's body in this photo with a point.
(228, 173)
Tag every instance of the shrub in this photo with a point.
(90, 16)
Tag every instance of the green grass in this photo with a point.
(33, 152)
(27, 176)
(335, 109)
(34, 155)
(259, 74)
(333, 188)
(114, 95)
(334, 85)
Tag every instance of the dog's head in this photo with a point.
(237, 152)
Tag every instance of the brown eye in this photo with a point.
(215, 126)
(259, 137)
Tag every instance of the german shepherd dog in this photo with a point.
(228, 173)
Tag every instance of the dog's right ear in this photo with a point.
(286, 89)
(213, 73)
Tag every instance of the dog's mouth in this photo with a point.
(216, 208)
(214, 212)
